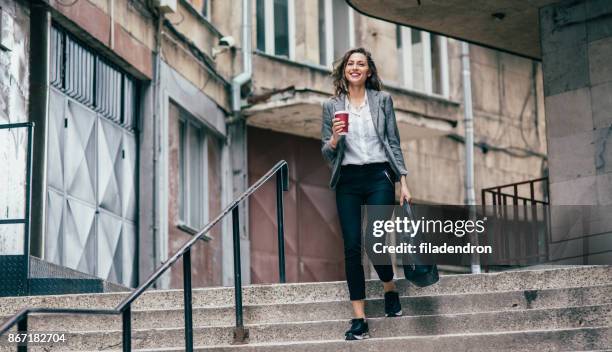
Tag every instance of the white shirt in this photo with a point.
(362, 143)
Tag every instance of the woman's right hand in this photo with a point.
(337, 126)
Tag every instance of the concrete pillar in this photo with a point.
(37, 110)
(237, 136)
(576, 40)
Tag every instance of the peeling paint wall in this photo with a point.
(13, 108)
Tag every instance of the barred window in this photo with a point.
(85, 76)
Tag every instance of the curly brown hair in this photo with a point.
(340, 81)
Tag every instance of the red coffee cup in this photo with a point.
(344, 117)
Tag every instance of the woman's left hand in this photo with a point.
(405, 195)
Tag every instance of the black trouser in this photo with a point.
(362, 185)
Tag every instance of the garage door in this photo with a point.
(92, 162)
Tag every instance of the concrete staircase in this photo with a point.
(563, 309)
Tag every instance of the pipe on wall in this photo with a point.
(470, 196)
(237, 145)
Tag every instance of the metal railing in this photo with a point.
(499, 197)
(506, 202)
(25, 221)
(281, 171)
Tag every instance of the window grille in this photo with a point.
(85, 76)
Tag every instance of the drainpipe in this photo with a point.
(470, 196)
(40, 19)
(247, 68)
(160, 243)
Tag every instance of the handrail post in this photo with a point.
(22, 327)
(188, 300)
(28, 208)
(126, 318)
(240, 333)
(280, 225)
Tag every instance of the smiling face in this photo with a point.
(357, 70)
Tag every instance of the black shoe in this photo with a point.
(393, 308)
(358, 331)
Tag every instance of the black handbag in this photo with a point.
(421, 275)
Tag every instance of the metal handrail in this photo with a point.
(281, 170)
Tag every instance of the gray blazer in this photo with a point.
(381, 109)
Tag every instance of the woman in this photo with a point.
(365, 163)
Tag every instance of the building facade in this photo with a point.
(139, 143)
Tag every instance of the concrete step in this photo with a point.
(430, 325)
(581, 339)
(339, 309)
(583, 276)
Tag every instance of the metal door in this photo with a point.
(313, 241)
(91, 164)
(91, 203)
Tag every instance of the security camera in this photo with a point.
(225, 44)
(228, 41)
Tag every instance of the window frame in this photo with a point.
(206, 8)
(269, 33)
(185, 170)
(405, 56)
(329, 31)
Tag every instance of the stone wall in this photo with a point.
(576, 39)
(577, 47)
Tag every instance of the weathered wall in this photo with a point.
(128, 31)
(508, 116)
(127, 34)
(14, 90)
(576, 40)
(379, 37)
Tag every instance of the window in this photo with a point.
(281, 28)
(336, 30)
(193, 173)
(261, 25)
(206, 8)
(423, 61)
(436, 64)
(276, 27)
(322, 33)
